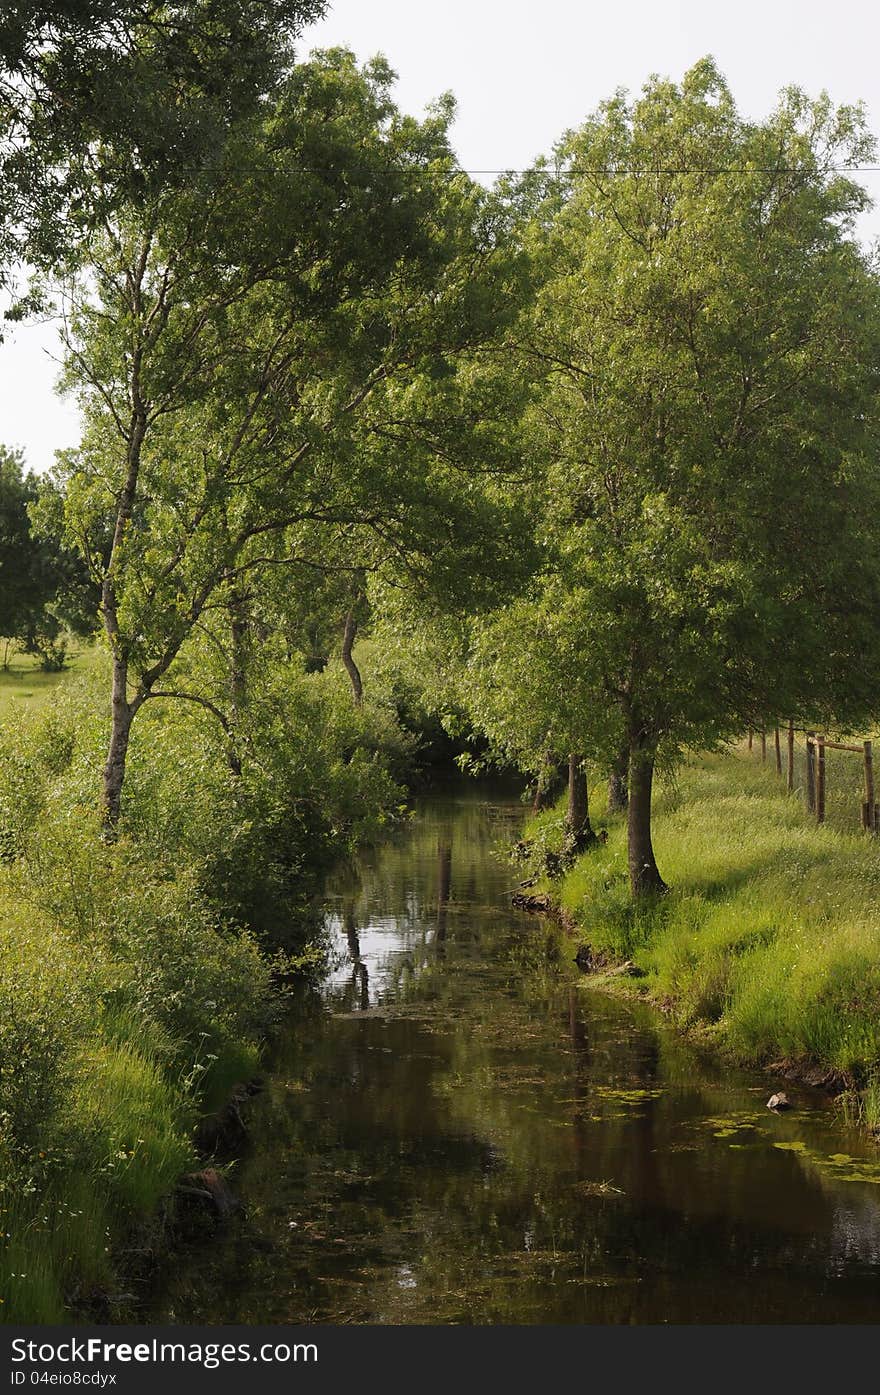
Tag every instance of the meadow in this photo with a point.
(24, 686)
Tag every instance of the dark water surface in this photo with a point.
(456, 1130)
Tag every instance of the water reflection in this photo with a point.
(456, 1132)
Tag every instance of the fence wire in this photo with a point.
(844, 776)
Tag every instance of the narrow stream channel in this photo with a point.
(455, 1130)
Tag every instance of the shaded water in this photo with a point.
(456, 1130)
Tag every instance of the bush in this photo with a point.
(319, 777)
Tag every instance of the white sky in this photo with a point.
(523, 72)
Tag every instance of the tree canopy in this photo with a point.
(258, 367)
(703, 356)
(617, 418)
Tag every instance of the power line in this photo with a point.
(684, 169)
(585, 172)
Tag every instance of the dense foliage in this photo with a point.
(45, 591)
(702, 349)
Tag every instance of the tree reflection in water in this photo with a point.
(455, 1131)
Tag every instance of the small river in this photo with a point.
(456, 1130)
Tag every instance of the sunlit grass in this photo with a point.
(122, 1144)
(23, 684)
(770, 935)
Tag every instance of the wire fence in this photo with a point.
(833, 777)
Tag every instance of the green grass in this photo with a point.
(128, 1011)
(769, 939)
(23, 684)
(131, 1146)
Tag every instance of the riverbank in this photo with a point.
(116, 1039)
(451, 1132)
(768, 943)
(139, 975)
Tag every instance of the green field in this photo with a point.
(23, 684)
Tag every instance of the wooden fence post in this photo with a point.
(778, 751)
(820, 783)
(790, 756)
(763, 748)
(750, 738)
(868, 819)
(811, 773)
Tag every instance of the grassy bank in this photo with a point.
(137, 976)
(122, 1020)
(769, 940)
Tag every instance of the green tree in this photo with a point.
(107, 100)
(43, 586)
(703, 350)
(251, 335)
(24, 589)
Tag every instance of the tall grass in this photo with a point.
(106, 1064)
(770, 935)
(117, 1148)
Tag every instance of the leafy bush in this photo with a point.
(318, 777)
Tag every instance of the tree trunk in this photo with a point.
(577, 818)
(545, 785)
(122, 715)
(352, 669)
(618, 790)
(644, 876)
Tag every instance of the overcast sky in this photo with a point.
(522, 74)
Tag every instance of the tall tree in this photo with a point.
(704, 354)
(243, 329)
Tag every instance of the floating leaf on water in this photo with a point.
(792, 1147)
(598, 1189)
(632, 1096)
